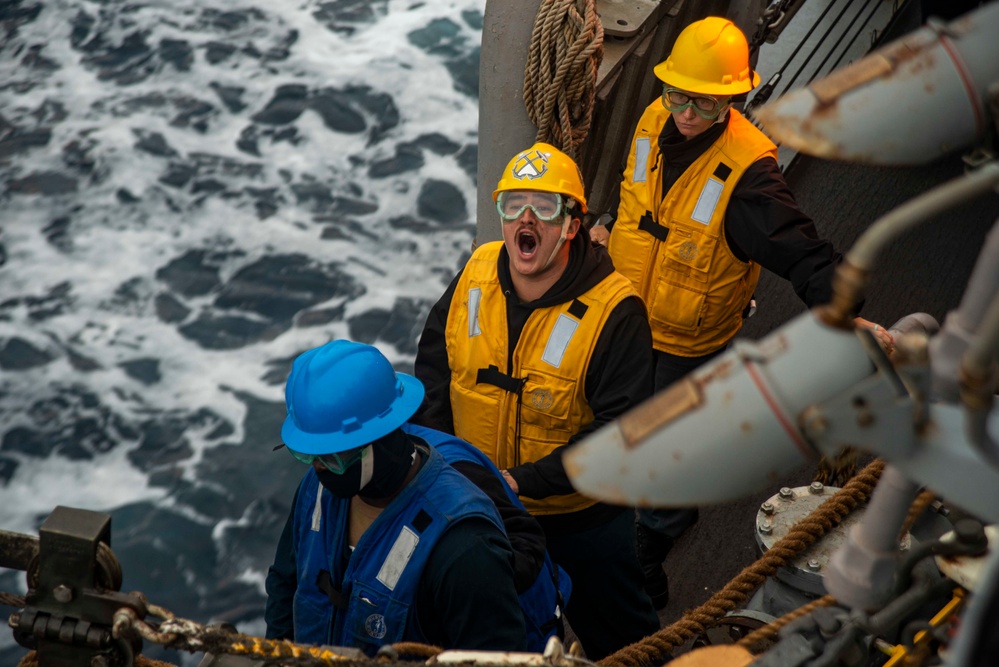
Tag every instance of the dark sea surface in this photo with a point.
(191, 194)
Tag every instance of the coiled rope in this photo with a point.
(567, 46)
(656, 648)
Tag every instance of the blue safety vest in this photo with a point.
(544, 601)
(372, 607)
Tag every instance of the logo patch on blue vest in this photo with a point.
(375, 626)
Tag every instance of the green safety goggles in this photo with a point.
(677, 101)
(336, 463)
(547, 206)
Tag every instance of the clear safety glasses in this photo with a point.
(335, 463)
(677, 101)
(547, 206)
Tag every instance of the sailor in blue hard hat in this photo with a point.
(341, 399)
(385, 542)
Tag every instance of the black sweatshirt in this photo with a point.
(620, 375)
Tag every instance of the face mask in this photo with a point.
(379, 474)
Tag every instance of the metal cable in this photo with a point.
(840, 39)
(815, 50)
(849, 44)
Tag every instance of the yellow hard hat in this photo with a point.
(544, 168)
(710, 57)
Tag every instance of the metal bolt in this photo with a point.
(99, 661)
(766, 527)
(816, 487)
(767, 507)
(14, 620)
(786, 492)
(62, 593)
(814, 565)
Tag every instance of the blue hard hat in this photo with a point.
(344, 395)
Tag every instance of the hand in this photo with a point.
(885, 339)
(599, 234)
(510, 481)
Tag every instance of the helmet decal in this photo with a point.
(530, 165)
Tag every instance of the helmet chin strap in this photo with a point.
(561, 239)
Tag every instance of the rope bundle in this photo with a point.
(567, 46)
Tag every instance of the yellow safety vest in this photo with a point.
(521, 414)
(673, 249)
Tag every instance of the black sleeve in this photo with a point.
(281, 584)
(620, 376)
(523, 530)
(432, 368)
(763, 223)
(466, 597)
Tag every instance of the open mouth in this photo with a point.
(527, 243)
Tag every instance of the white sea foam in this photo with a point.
(107, 251)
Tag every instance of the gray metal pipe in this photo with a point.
(862, 573)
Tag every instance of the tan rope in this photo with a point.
(654, 649)
(567, 46)
(769, 631)
(417, 649)
(918, 506)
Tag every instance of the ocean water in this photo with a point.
(192, 192)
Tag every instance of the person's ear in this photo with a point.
(573, 229)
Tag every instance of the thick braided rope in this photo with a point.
(918, 506)
(567, 46)
(654, 649)
(417, 649)
(770, 630)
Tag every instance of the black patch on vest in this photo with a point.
(493, 376)
(650, 226)
(577, 309)
(421, 521)
(722, 171)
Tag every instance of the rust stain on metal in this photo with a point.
(774, 347)
(677, 456)
(746, 427)
(829, 89)
(658, 411)
(719, 372)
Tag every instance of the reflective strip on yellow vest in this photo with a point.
(672, 247)
(522, 414)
